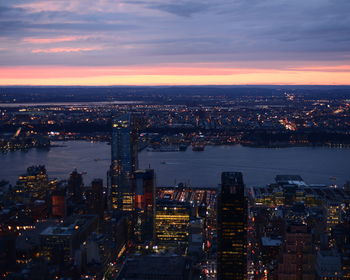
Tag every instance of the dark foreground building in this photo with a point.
(144, 204)
(232, 221)
(156, 267)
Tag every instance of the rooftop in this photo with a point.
(69, 227)
(290, 179)
(146, 267)
(267, 241)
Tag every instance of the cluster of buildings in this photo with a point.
(51, 229)
(283, 119)
(66, 229)
(129, 229)
(299, 231)
(23, 141)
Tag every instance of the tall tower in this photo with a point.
(124, 163)
(97, 197)
(144, 204)
(232, 228)
(75, 185)
(145, 189)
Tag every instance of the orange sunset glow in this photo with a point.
(142, 75)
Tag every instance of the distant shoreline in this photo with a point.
(85, 103)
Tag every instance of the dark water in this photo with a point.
(259, 165)
(201, 169)
(92, 158)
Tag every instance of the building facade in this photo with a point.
(124, 163)
(172, 223)
(297, 260)
(232, 224)
(144, 204)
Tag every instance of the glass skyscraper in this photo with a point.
(124, 163)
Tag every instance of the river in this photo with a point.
(317, 165)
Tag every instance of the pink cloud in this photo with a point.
(54, 40)
(337, 68)
(81, 7)
(40, 6)
(65, 50)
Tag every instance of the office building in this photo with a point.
(232, 222)
(144, 204)
(95, 198)
(172, 223)
(145, 189)
(124, 163)
(59, 204)
(297, 259)
(59, 243)
(156, 267)
(34, 184)
(75, 185)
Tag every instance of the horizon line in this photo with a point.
(178, 85)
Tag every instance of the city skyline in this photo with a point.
(175, 139)
(174, 43)
(121, 222)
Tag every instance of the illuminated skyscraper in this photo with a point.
(34, 183)
(232, 222)
(145, 189)
(124, 163)
(172, 223)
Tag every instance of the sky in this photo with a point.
(174, 42)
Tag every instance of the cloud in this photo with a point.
(336, 68)
(181, 8)
(49, 6)
(54, 40)
(65, 50)
(137, 32)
